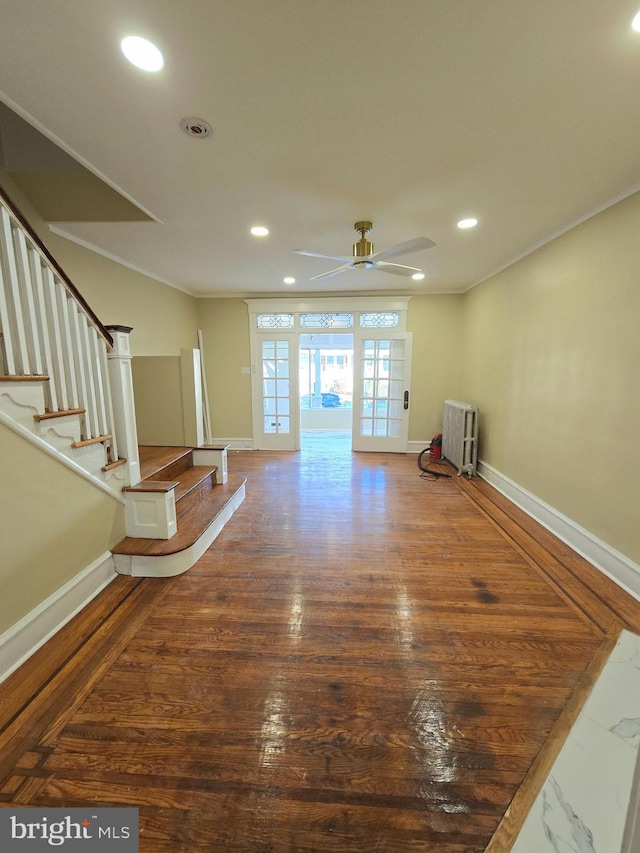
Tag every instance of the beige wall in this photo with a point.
(159, 408)
(52, 526)
(552, 352)
(436, 324)
(164, 319)
(225, 329)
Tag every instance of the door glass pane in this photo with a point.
(379, 427)
(396, 389)
(396, 369)
(395, 428)
(382, 388)
(276, 386)
(395, 409)
(366, 426)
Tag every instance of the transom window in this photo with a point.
(379, 319)
(329, 320)
(326, 321)
(275, 321)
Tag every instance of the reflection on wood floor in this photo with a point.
(363, 661)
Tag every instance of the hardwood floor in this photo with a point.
(363, 661)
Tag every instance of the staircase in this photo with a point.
(203, 498)
(66, 386)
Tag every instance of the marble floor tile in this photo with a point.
(583, 805)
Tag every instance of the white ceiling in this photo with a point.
(411, 113)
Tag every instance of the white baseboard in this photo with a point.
(612, 563)
(417, 446)
(19, 642)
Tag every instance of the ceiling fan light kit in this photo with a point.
(364, 257)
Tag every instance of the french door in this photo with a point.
(382, 367)
(276, 419)
(381, 391)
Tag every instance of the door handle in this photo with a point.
(406, 400)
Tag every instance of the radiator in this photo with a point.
(460, 436)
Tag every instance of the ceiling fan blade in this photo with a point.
(342, 258)
(337, 271)
(415, 245)
(396, 269)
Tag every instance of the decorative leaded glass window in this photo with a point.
(379, 319)
(326, 321)
(276, 321)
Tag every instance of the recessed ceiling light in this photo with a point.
(417, 276)
(635, 24)
(289, 280)
(259, 231)
(468, 223)
(142, 53)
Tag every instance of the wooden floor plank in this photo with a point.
(363, 661)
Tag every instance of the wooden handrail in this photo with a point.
(17, 213)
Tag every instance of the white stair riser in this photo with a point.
(21, 401)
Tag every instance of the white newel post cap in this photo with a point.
(120, 338)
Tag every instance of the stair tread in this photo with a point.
(191, 527)
(61, 413)
(153, 459)
(191, 478)
(152, 486)
(30, 378)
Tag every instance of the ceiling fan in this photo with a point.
(365, 258)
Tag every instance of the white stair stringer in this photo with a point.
(20, 401)
(91, 457)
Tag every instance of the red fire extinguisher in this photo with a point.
(435, 446)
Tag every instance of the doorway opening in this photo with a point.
(325, 377)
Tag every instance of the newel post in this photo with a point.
(124, 410)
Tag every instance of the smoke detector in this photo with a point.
(196, 127)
